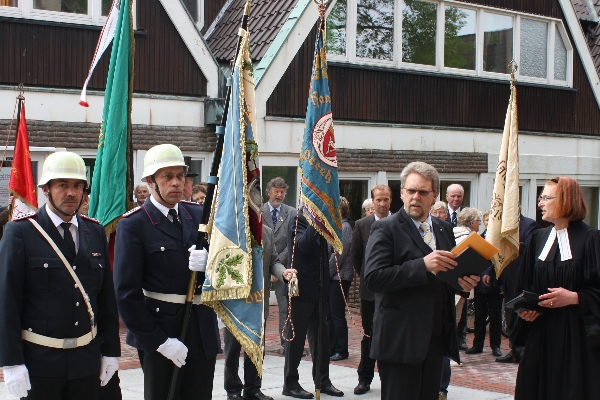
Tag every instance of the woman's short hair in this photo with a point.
(467, 216)
(486, 214)
(344, 207)
(570, 203)
(439, 205)
(367, 203)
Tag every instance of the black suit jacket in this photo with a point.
(404, 296)
(449, 215)
(360, 237)
(38, 293)
(152, 254)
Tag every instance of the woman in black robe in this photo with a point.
(562, 351)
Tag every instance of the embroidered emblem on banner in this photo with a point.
(324, 141)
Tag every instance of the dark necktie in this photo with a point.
(274, 216)
(69, 238)
(453, 219)
(176, 222)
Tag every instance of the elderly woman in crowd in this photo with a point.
(339, 285)
(562, 352)
(368, 207)
(439, 210)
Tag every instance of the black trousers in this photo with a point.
(336, 317)
(305, 316)
(233, 384)
(195, 380)
(461, 327)
(112, 390)
(488, 304)
(414, 381)
(63, 388)
(366, 367)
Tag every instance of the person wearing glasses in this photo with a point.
(561, 264)
(415, 323)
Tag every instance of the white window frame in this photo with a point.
(351, 58)
(93, 17)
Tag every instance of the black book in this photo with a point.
(469, 262)
(526, 301)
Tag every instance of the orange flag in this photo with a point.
(21, 184)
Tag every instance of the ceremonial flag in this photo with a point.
(234, 272)
(111, 183)
(318, 158)
(106, 36)
(21, 184)
(503, 225)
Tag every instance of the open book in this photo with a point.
(473, 256)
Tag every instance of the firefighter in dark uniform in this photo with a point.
(59, 327)
(152, 271)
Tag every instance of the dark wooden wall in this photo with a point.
(59, 55)
(211, 9)
(396, 96)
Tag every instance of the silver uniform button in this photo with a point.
(74, 267)
(30, 330)
(162, 249)
(76, 323)
(157, 309)
(76, 286)
(45, 265)
(77, 304)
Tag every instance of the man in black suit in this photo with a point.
(311, 261)
(414, 323)
(382, 199)
(508, 280)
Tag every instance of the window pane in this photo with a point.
(560, 57)
(497, 42)
(534, 49)
(355, 191)
(590, 194)
(69, 6)
(192, 7)
(336, 29)
(106, 4)
(375, 29)
(289, 174)
(9, 3)
(419, 20)
(459, 39)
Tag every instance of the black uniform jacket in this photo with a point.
(37, 293)
(152, 254)
(404, 293)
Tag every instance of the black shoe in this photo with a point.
(511, 357)
(496, 352)
(474, 350)
(234, 396)
(362, 388)
(332, 391)
(462, 346)
(338, 357)
(298, 393)
(257, 396)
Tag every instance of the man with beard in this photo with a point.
(414, 322)
(141, 193)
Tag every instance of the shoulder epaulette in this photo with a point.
(193, 203)
(24, 216)
(90, 218)
(132, 211)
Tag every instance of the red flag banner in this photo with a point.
(21, 184)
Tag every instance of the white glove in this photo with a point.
(174, 350)
(17, 382)
(198, 259)
(108, 367)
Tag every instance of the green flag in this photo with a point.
(111, 183)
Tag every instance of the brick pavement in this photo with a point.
(479, 370)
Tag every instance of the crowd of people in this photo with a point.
(61, 295)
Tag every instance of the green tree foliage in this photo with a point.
(459, 51)
(375, 29)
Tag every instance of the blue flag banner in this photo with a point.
(234, 273)
(318, 158)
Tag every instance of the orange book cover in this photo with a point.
(477, 243)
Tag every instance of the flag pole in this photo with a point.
(202, 241)
(317, 356)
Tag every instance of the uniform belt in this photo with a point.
(69, 343)
(170, 298)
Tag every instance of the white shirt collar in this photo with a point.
(271, 208)
(418, 223)
(164, 210)
(377, 218)
(450, 210)
(56, 220)
(564, 246)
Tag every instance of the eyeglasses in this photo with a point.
(545, 198)
(422, 193)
